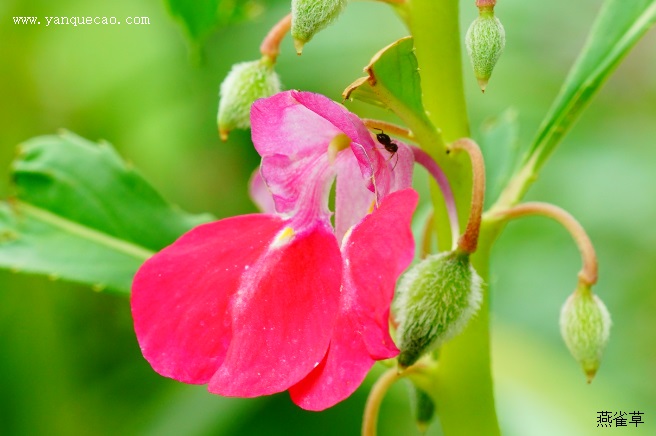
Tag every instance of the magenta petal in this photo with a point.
(180, 296)
(340, 373)
(378, 250)
(375, 254)
(282, 317)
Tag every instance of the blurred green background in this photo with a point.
(69, 361)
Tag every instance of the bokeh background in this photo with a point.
(69, 361)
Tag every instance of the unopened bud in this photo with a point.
(485, 41)
(585, 327)
(245, 83)
(310, 16)
(436, 299)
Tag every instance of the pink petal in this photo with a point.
(339, 374)
(283, 125)
(378, 251)
(282, 317)
(180, 296)
(353, 201)
(260, 193)
(300, 186)
(402, 165)
(375, 254)
(291, 131)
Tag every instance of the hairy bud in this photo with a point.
(310, 16)
(436, 298)
(245, 83)
(485, 41)
(585, 327)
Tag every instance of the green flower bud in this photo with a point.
(436, 299)
(585, 327)
(245, 83)
(485, 41)
(310, 16)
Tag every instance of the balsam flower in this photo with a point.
(262, 303)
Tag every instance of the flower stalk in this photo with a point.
(589, 271)
(394, 129)
(375, 399)
(424, 159)
(468, 242)
(270, 47)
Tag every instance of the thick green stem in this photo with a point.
(464, 383)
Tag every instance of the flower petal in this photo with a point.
(377, 252)
(340, 372)
(353, 201)
(374, 255)
(260, 193)
(180, 296)
(292, 131)
(402, 166)
(282, 317)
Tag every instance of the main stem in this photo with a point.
(464, 383)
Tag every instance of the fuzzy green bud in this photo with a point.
(436, 298)
(585, 327)
(485, 41)
(245, 83)
(311, 16)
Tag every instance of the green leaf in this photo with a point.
(81, 214)
(393, 81)
(201, 17)
(618, 27)
(499, 145)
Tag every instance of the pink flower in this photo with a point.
(263, 303)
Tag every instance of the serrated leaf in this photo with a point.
(393, 81)
(200, 17)
(618, 27)
(499, 145)
(81, 214)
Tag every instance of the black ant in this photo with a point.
(392, 147)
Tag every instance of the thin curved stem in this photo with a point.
(424, 159)
(427, 233)
(589, 271)
(375, 399)
(469, 240)
(389, 128)
(270, 46)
